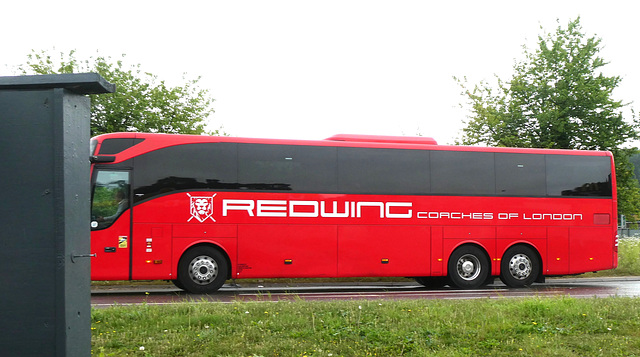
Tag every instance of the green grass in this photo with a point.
(489, 327)
(629, 256)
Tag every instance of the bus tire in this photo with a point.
(202, 270)
(468, 267)
(178, 284)
(432, 282)
(520, 266)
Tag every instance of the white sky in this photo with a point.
(311, 69)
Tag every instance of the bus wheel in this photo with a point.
(468, 267)
(520, 266)
(202, 270)
(432, 281)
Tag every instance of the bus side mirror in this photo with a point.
(101, 159)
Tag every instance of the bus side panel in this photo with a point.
(590, 250)
(558, 251)
(438, 267)
(151, 251)
(287, 251)
(483, 236)
(383, 250)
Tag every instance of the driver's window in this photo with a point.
(110, 197)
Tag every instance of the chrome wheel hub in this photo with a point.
(203, 270)
(520, 266)
(468, 267)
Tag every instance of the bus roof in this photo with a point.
(154, 141)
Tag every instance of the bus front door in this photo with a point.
(111, 225)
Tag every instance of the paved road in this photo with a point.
(166, 294)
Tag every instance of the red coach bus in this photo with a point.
(199, 210)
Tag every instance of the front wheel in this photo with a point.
(202, 270)
(468, 267)
(520, 267)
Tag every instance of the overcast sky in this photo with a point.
(311, 69)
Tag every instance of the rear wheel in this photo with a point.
(468, 267)
(520, 266)
(202, 270)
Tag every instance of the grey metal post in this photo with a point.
(44, 214)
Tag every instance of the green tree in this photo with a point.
(141, 102)
(557, 98)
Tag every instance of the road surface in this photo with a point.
(104, 296)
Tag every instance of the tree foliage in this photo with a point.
(141, 102)
(558, 98)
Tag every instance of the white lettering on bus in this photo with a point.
(294, 204)
(335, 213)
(500, 216)
(238, 205)
(354, 209)
(271, 208)
(370, 204)
(455, 215)
(553, 216)
(283, 208)
(407, 214)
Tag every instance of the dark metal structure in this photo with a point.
(44, 214)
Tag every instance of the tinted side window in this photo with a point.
(520, 175)
(569, 175)
(287, 167)
(389, 171)
(114, 146)
(462, 173)
(186, 167)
